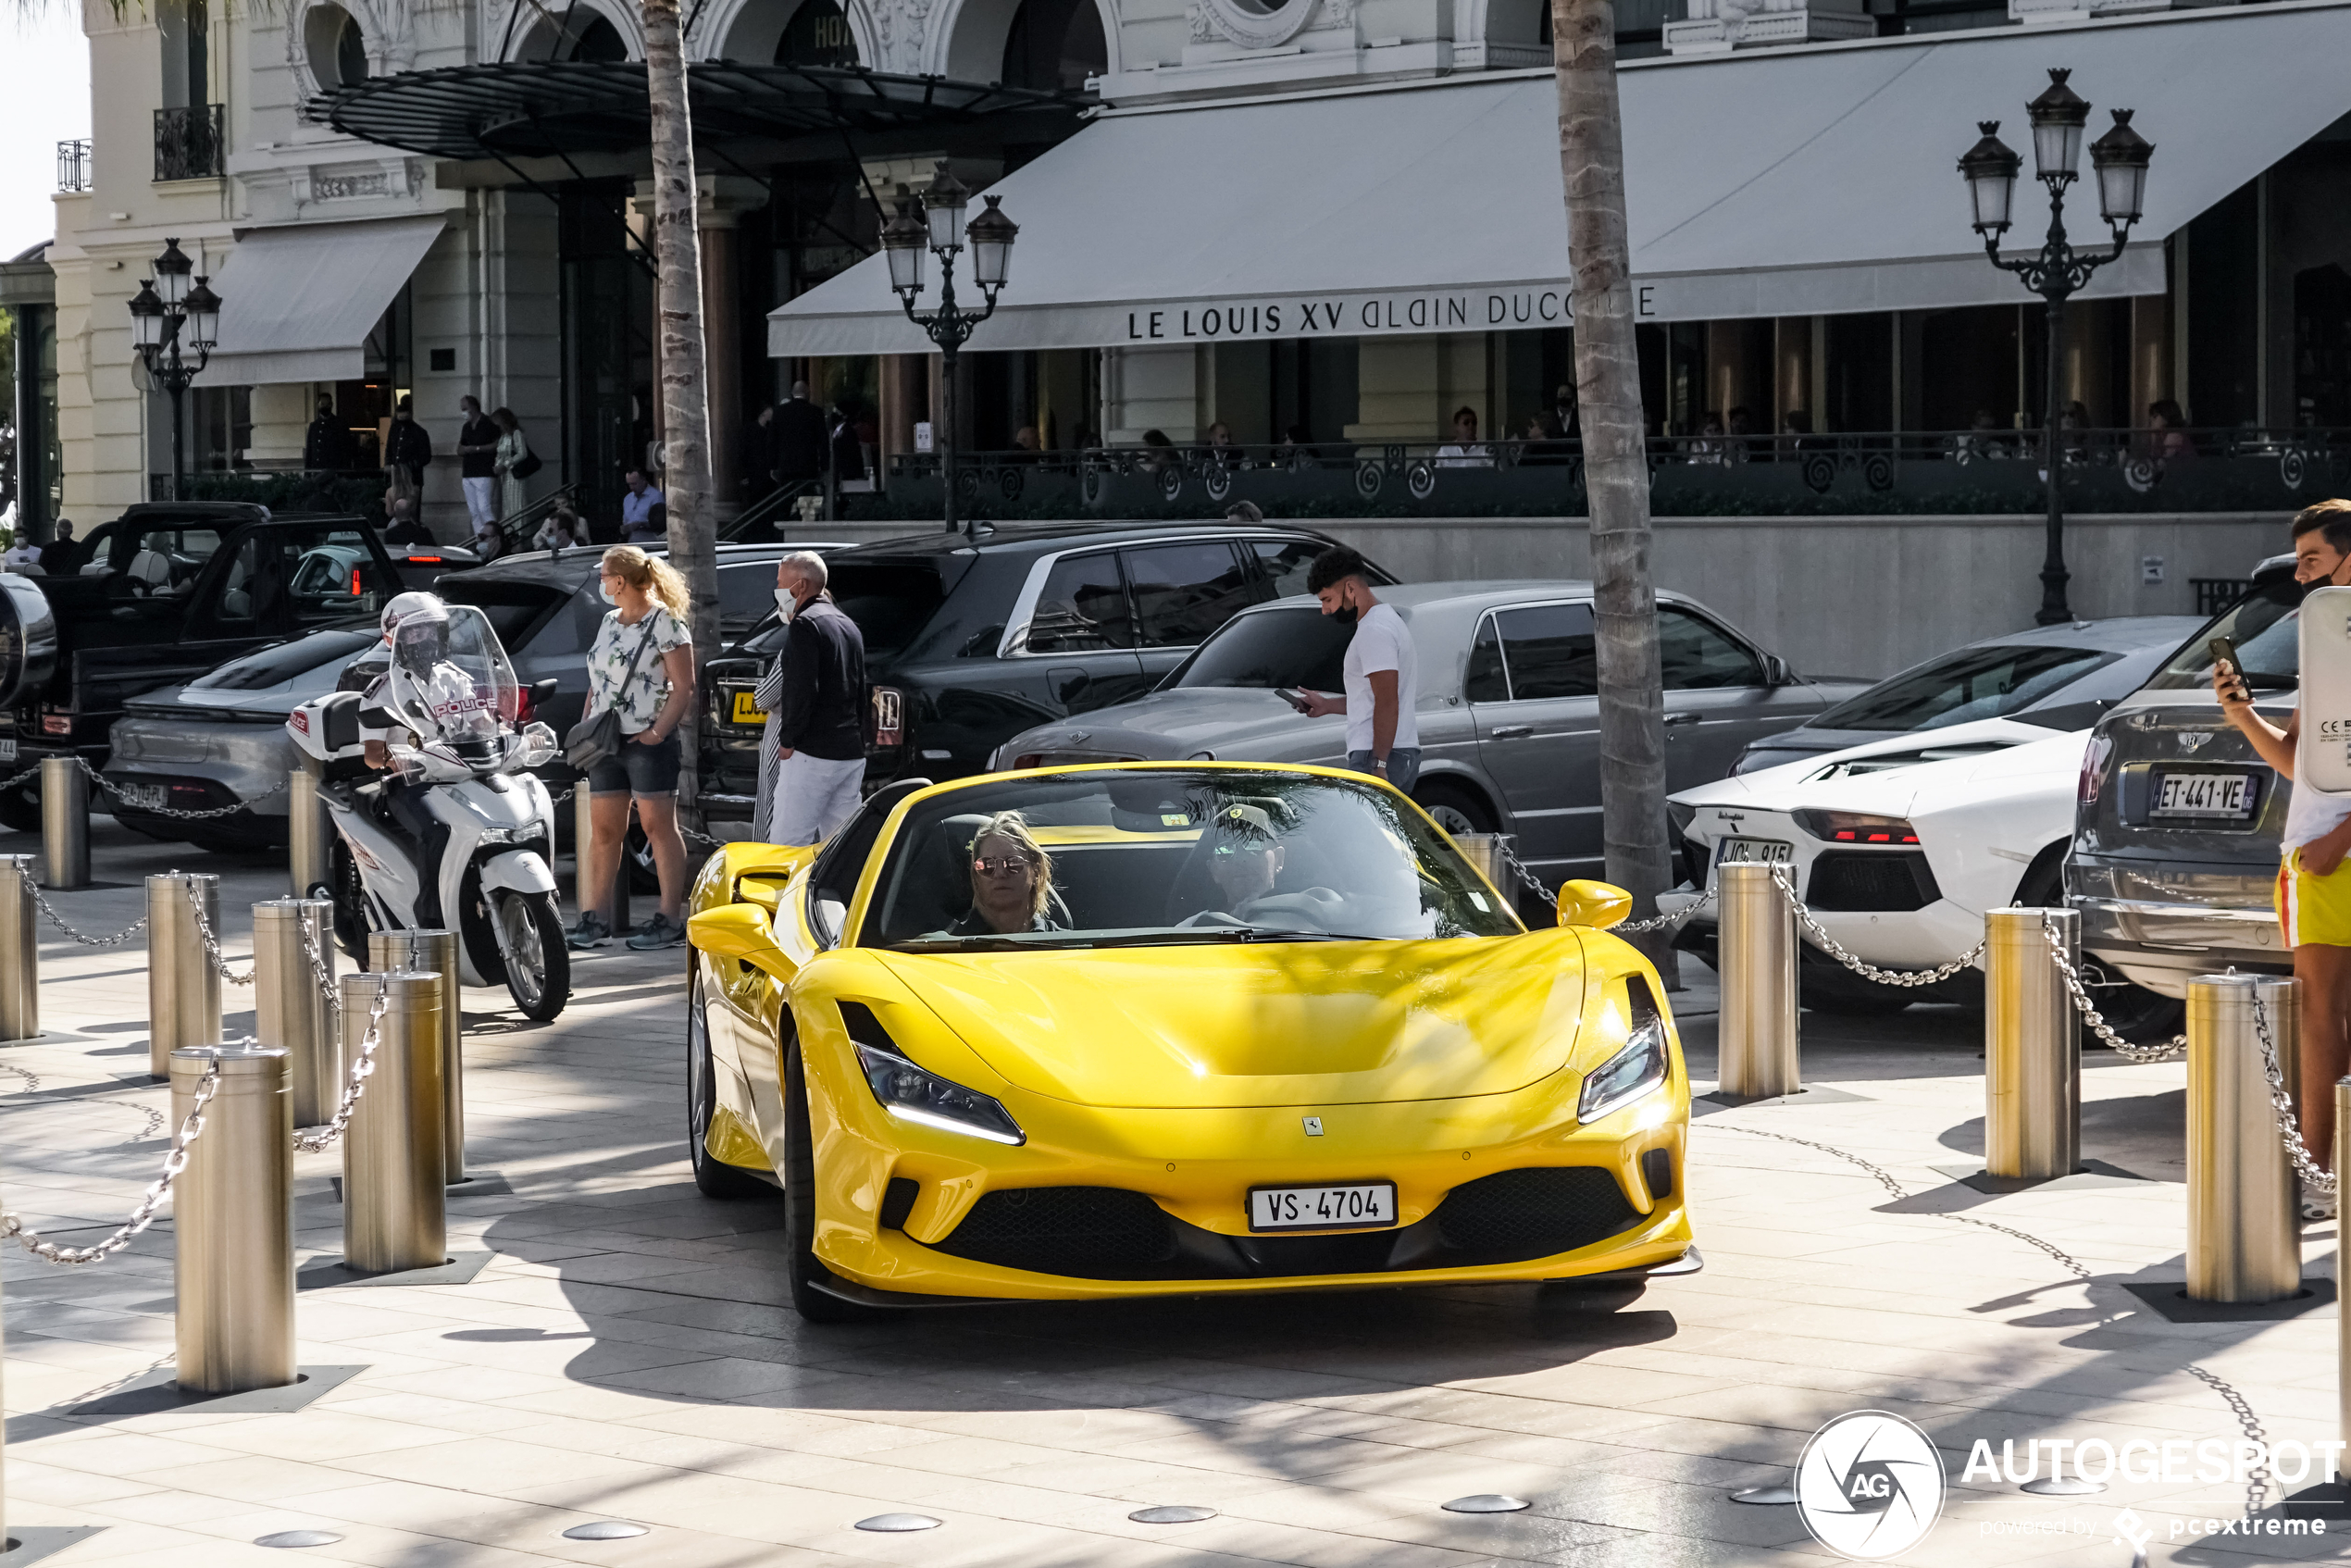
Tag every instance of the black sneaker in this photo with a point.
(660, 932)
(590, 932)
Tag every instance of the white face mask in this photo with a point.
(786, 605)
(607, 593)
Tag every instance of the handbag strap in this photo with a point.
(629, 674)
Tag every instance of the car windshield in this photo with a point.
(1118, 857)
(288, 661)
(1293, 646)
(1964, 686)
(890, 602)
(2265, 626)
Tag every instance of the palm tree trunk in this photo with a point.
(1608, 386)
(685, 397)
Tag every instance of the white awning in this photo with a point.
(1818, 179)
(297, 304)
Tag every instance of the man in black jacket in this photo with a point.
(410, 447)
(812, 757)
(799, 437)
(327, 444)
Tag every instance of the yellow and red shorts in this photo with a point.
(2314, 909)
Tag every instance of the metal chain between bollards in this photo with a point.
(2314, 1176)
(1623, 927)
(144, 1215)
(319, 973)
(2092, 1016)
(212, 943)
(102, 782)
(1863, 966)
(83, 938)
(318, 1140)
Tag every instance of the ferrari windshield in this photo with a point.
(1168, 856)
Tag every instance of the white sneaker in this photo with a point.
(2316, 1205)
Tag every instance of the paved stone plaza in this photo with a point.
(627, 1352)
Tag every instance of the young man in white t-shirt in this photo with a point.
(1380, 671)
(2314, 888)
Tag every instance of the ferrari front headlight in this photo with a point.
(910, 1094)
(1638, 1069)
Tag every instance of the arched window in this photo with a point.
(817, 35)
(1054, 44)
(598, 41)
(336, 46)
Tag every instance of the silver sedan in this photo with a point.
(1508, 708)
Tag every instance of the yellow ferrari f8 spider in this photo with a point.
(1175, 1028)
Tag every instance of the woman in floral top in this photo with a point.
(641, 668)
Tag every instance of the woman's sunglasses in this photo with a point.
(1001, 865)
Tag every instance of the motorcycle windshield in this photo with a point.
(470, 693)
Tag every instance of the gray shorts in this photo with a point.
(639, 769)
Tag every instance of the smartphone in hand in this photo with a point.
(1294, 697)
(2224, 658)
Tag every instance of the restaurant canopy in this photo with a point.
(1818, 179)
(297, 303)
(558, 108)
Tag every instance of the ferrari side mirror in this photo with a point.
(737, 930)
(1582, 902)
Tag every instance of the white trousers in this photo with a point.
(814, 796)
(481, 502)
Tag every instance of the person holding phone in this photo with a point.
(2313, 894)
(1380, 672)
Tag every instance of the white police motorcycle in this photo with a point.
(455, 833)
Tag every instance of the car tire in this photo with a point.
(803, 1271)
(1455, 807)
(713, 1176)
(19, 810)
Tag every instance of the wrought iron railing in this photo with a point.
(1994, 471)
(189, 144)
(73, 165)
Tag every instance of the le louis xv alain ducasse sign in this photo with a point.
(1451, 310)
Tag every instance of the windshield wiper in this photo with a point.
(1160, 936)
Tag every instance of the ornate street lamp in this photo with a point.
(2059, 271)
(174, 326)
(940, 231)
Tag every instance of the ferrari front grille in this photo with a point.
(1534, 1213)
(1076, 1231)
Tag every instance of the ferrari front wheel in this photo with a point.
(807, 1276)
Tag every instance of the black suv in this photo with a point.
(969, 642)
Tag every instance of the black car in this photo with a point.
(970, 641)
(2054, 678)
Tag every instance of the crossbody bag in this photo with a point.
(598, 737)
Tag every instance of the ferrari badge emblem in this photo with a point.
(1313, 1126)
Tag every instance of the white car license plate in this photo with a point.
(2226, 797)
(1362, 1205)
(7, 748)
(1753, 851)
(148, 797)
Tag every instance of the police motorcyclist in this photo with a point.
(422, 700)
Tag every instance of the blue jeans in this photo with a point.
(1403, 765)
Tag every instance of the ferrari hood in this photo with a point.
(1264, 1024)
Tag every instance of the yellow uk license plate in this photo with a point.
(747, 709)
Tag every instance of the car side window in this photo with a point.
(1185, 592)
(1701, 656)
(1282, 566)
(1082, 608)
(1485, 680)
(1548, 649)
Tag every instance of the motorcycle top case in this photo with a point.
(324, 731)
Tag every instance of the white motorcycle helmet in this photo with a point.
(417, 627)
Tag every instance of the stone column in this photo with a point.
(280, 420)
(720, 201)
